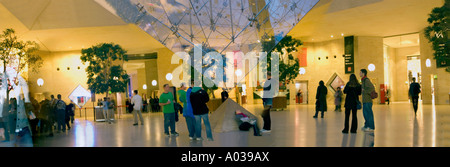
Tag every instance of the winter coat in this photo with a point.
(198, 99)
(321, 97)
(352, 94)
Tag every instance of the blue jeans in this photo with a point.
(169, 121)
(23, 138)
(190, 122)
(267, 101)
(198, 126)
(368, 115)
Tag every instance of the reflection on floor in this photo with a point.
(395, 125)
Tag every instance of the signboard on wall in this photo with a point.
(349, 55)
(302, 57)
(442, 62)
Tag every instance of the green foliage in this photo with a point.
(19, 54)
(438, 32)
(289, 67)
(104, 73)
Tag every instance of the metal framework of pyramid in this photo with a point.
(225, 25)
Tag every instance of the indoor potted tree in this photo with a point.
(105, 74)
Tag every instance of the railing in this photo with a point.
(119, 110)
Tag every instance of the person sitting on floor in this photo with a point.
(245, 123)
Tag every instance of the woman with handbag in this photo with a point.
(352, 90)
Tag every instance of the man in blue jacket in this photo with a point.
(187, 110)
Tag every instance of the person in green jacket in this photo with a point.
(366, 89)
(166, 101)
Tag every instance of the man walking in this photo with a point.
(367, 88)
(136, 101)
(414, 90)
(166, 101)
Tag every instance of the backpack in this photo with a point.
(373, 94)
(245, 126)
(60, 105)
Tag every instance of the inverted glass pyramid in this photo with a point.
(224, 25)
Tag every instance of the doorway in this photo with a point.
(301, 89)
(414, 70)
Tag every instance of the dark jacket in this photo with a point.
(198, 102)
(414, 89)
(224, 95)
(129, 106)
(352, 94)
(321, 96)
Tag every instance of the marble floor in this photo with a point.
(395, 124)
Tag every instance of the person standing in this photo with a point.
(34, 116)
(187, 110)
(129, 106)
(388, 95)
(53, 110)
(105, 108)
(71, 112)
(352, 90)
(338, 99)
(224, 94)
(108, 109)
(268, 95)
(60, 114)
(166, 102)
(414, 90)
(144, 103)
(199, 98)
(366, 90)
(136, 101)
(46, 116)
(321, 99)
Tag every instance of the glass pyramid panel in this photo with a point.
(224, 25)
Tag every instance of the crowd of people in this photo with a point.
(148, 105)
(353, 89)
(54, 114)
(23, 123)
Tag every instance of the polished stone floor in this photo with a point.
(395, 124)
